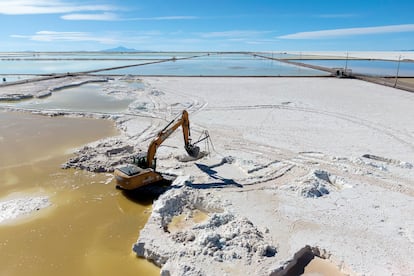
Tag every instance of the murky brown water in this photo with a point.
(188, 220)
(322, 267)
(91, 226)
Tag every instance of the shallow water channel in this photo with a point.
(90, 227)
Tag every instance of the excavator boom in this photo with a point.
(167, 131)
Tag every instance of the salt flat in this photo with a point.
(319, 161)
(323, 162)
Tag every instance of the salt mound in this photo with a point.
(101, 156)
(13, 208)
(316, 184)
(205, 248)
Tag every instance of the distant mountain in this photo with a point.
(120, 49)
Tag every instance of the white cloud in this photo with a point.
(233, 34)
(74, 11)
(350, 32)
(174, 17)
(18, 7)
(52, 36)
(106, 16)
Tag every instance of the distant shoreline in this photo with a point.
(292, 58)
(369, 55)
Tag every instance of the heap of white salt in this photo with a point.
(17, 207)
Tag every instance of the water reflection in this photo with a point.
(220, 65)
(198, 64)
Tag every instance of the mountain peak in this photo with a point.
(120, 49)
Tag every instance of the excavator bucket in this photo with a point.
(192, 150)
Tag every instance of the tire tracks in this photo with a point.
(402, 137)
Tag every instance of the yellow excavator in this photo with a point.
(142, 172)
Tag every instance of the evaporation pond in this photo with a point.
(88, 97)
(90, 227)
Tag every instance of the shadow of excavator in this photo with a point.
(221, 182)
(147, 194)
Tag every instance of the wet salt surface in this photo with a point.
(14, 208)
(322, 267)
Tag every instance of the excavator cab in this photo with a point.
(141, 161)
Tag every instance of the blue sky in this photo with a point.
(209, 25)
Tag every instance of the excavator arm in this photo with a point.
(184, 122)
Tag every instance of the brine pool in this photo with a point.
(172, 64)
(90, 227)
(85, 98)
